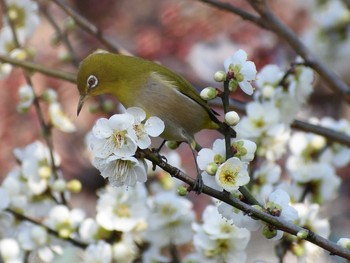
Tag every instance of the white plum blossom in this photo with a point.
(153, 254)
(26, 98)
(309, 218)
(24, 16)
(101, 252)
(64, 221)
(242, 71)
(89, 230)
(122, 209)
(301, 83)
(36, 165)
(17, 191)
(143, 128)
(111, 136)
(336, 154)
(122, 170)
(239, 218)
(244, 149)
(125, 251)
(265, 178)
(219, 239)
(35, 238)
(10, 251)
(216, 155)
(267, 81)
(278, 204)
(232, 174)
(331, 14)
(344, 242)
(5, 199)
(170, 219)
(59, 119)
(260, 118)
(114, 141)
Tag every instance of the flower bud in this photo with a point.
(19, 54)
(268, 91)
(344, 242)
(303, 234)
(208, 93)
(220, 76)
(182, 191)
(268, 232)
(69, 24)
(107, 106)
(211, 168)
(64, 56)
(55, 39)
(45, 172)
(231, 118)
(74, 186)
(59, 185)
(172, 145)
(50, 95)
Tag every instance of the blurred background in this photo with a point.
(191, 38)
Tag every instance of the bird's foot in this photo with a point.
(162, 157)
(198, 185)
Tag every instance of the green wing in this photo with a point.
(188, 90)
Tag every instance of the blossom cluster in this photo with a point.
(23, 15)
(114, 142)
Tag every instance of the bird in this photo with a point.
(159, 91)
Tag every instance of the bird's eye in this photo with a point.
(92, 82)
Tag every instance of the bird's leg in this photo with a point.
(198, 185)
(156, 151)
(160, 147)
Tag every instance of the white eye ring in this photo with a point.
(92, 82)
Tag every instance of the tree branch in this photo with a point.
(30, 66)
(19, 216)
(268, 20)
(233, 9)
(330, 134)
(249, 210)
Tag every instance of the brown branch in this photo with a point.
(34, 67)
(330, 134)
(22, 217)
(249, 210)
(233, 9)
(285, 33)
(272, 23)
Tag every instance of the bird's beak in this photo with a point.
(81, 103)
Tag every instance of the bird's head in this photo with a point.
(96, 75)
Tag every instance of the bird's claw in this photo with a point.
(198, 185)
(162, 157)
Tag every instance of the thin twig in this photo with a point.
(91, 28)
(330, 134)
(279, 223)
(268, 20)
(238, 11)
(74, 241)
(34, 67)
(61, 35)
(285, 33)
